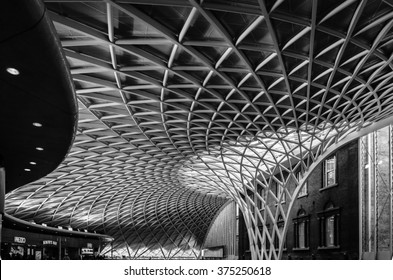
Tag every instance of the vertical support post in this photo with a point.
(360, 195)
(59, 247)
(370, 187)
(2, 199)
(391, 189)
(375, 182)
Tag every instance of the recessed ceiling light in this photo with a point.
(13, 71)
(39, 148)
(37, 124)
(33, 163)
(27, 169)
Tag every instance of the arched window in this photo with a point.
(301, 230)
(329, 226)
(330, 231)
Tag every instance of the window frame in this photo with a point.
(277, 190)
(330, 228)
(330, 211)
(262, 193)
(325, 173)
(305, 187)
(301, 218)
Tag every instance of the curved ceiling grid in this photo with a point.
(180, 99)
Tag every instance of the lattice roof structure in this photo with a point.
(186, 104)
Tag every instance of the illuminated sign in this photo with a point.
(213, 253)
(49, 242)
(18, 239)
(87, 251)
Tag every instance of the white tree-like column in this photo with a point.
(257, 174)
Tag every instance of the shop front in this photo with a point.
(50, 250)
(23, 245)
(18, 248)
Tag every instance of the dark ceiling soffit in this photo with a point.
(43, 93)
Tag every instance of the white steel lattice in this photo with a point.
(186, 104)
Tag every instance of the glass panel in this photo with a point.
(330, 171)
(330, 178)
(330, 231)
(303, 190)
(284, 195)
(302, 235)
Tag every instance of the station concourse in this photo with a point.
(251, 129)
